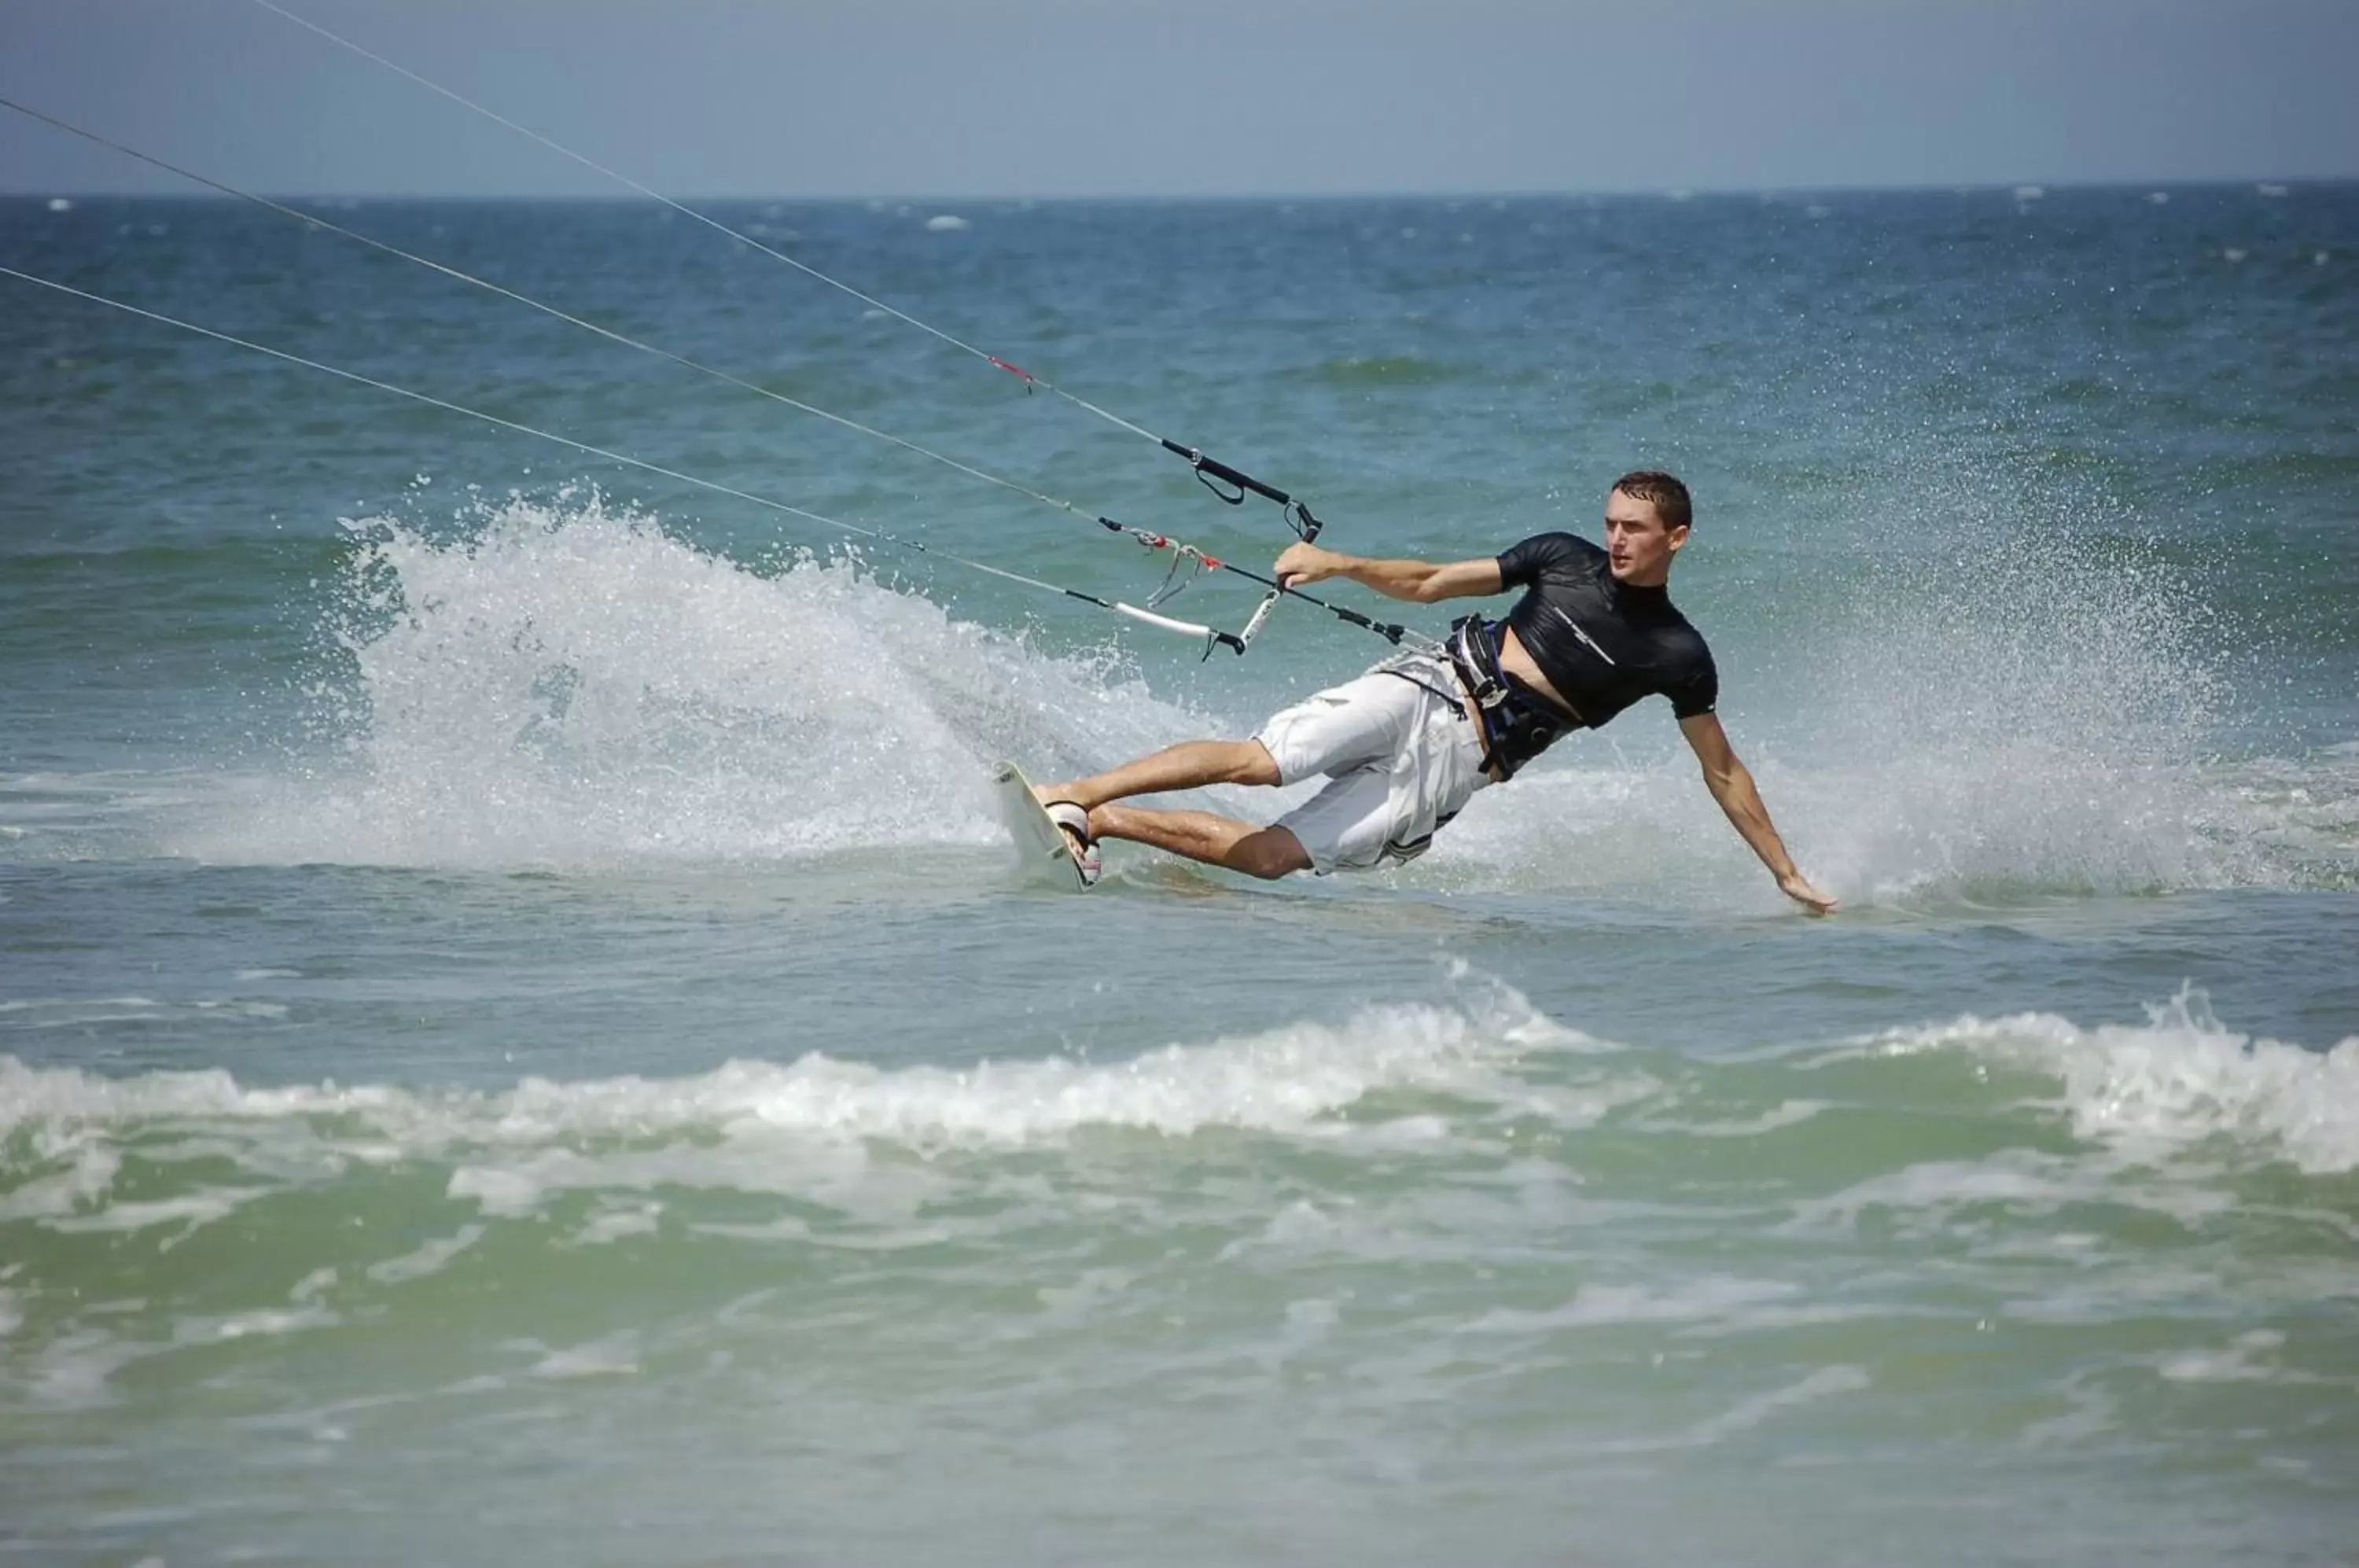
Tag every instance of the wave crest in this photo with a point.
(2177, 1081)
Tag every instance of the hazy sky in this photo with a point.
(1087, 97)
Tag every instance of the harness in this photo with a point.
(1519, 724)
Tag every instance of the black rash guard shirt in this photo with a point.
(1602, 642)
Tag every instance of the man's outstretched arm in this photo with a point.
(1417, 581)
(1731, 785)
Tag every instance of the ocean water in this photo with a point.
(520, 1042)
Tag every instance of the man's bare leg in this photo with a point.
(1190, 765)
(1201, 835)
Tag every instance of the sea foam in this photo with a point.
(571, 686)
(1282, 1080)
(2176, 1082)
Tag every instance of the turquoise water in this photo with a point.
(519, 1041)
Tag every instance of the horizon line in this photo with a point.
(2017, 187)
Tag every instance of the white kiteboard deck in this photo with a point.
(1042, 848)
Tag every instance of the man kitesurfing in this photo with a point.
(1407, 744)
(1403, 746)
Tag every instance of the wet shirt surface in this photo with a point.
(1601, 643)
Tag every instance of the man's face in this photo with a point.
(1640, 545)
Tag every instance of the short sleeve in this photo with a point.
(1696, 690)
(1522, 564)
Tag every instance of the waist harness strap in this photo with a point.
(1517, 723)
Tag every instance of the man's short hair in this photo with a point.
(1661, 490)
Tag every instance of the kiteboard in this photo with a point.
(1042, 848)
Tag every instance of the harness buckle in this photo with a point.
(1470, 651)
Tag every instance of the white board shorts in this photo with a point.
(1403, 756)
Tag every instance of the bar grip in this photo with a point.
(1210, 468)
(1221, 470)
